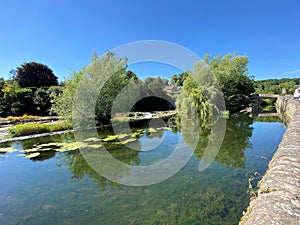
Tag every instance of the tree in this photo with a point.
(100, 82)
(192, 104)
(42, 99)
(1, 83)
(231, 71)
(131, 75)
(35, 75)
(275, 86)
(179, 79)
(16, 101)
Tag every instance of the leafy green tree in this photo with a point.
(228, 74)
(100, 82)
(192, 102)
(22, 102)
(35, 75)
(231, 71)
(42, 99)
(8, 98)
(108, 94)
(62, 103)
(17, 101)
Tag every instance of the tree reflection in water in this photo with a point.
(236, 140)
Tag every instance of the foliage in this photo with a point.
(1, 83)
(231, 71)
(109, 92)
(179, 79)
(156, 84)
(193, 103)
(228, 74)
(131, 75)
(42, 99)
(106, 74)
(20, 118)
(17, 101)
(275, 86)
(35, 75)
(36, 128)
(2, 101)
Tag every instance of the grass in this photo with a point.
(18, 118)
(36, 128)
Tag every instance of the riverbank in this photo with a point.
(4, 128)
(278, 200)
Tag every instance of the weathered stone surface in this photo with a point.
(278, 200)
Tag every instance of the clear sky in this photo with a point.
(63, 34)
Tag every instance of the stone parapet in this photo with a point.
(278, 200)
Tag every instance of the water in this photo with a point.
(61, 188)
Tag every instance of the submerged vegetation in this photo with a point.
(217, 195)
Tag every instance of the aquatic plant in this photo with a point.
(36, 128)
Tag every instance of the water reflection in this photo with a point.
(231, 154)
(236, 139)
(216, 196)
(79, 168)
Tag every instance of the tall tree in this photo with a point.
(228, 74)
(99, 82)
(231, 71)
(35, 75)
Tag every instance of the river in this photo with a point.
(59, 186)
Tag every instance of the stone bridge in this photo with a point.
(258, 98)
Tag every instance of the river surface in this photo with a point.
(59, 186)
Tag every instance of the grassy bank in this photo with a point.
(36, 128)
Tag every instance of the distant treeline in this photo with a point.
(275, 86)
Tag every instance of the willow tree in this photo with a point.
(216, 79)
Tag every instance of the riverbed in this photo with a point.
(59, 186)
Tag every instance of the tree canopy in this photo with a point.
(275, 86)
(179, 79)
(100, 81)
(35, 75)
(231, 71)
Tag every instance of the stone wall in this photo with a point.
(278, 200)
(287, 105)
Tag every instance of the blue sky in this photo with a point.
(63, 34)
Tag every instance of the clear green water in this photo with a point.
(61, 188)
